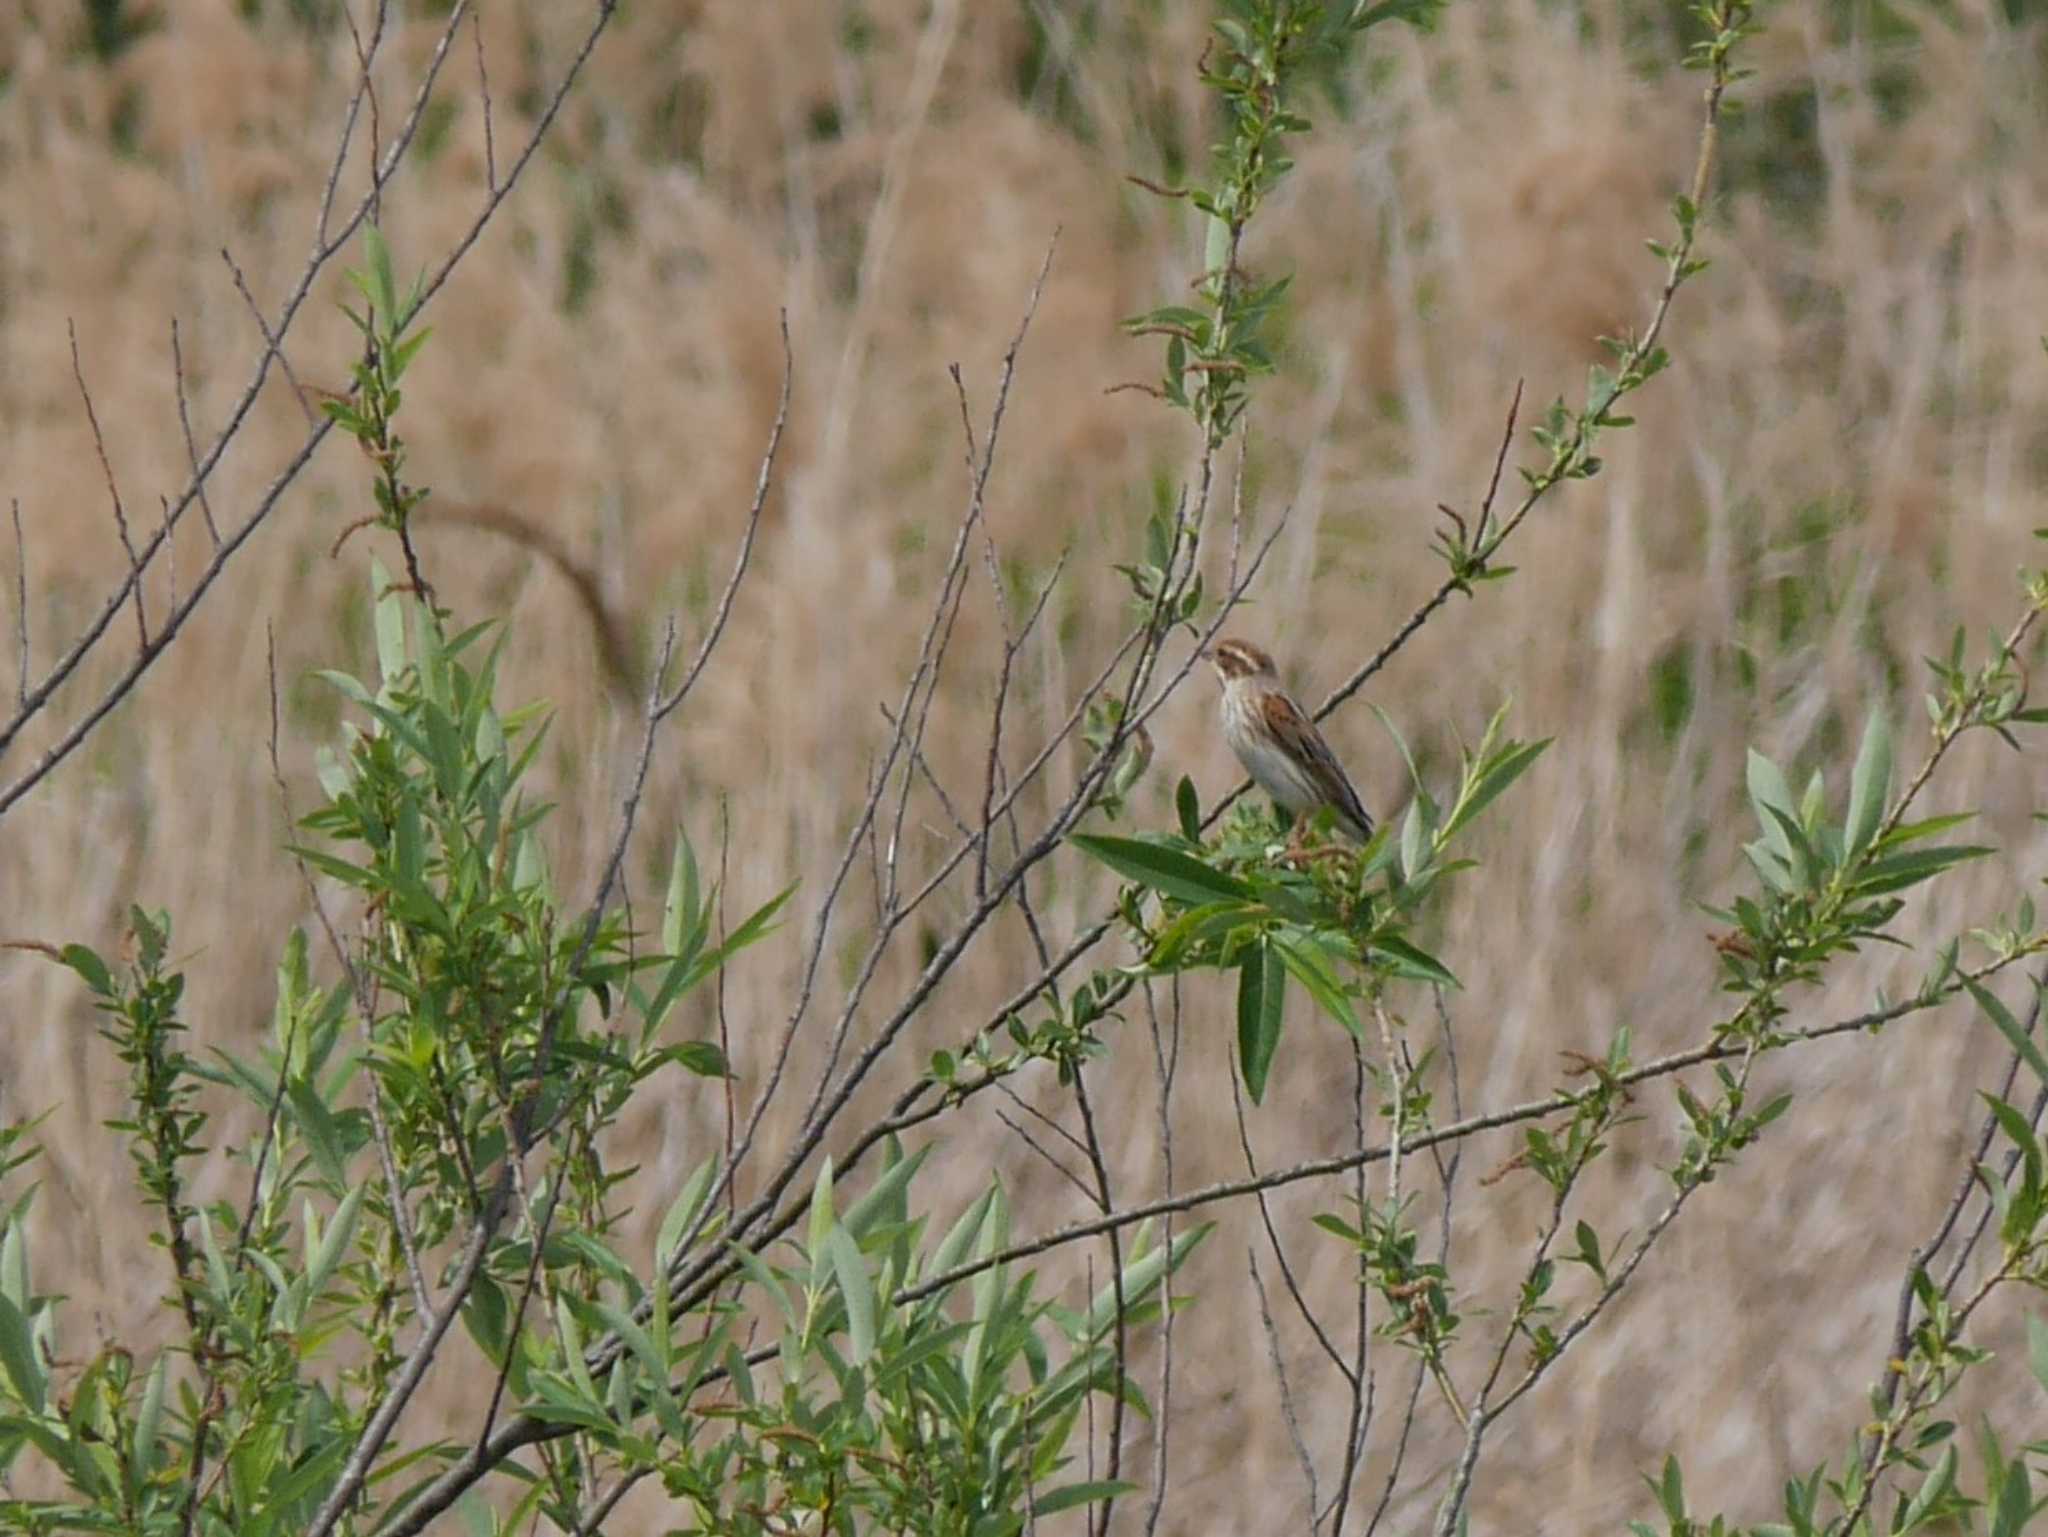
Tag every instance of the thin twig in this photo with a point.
(1046, 1155)
(483, 79)
(99, 444)
(1105, 1199)
(1166, 1066)
(762, 481)
(20, 608)
(1302, 1459)
(1358, 1376)
(185, 426)
(1287, 1276)
(369, 88)
(274, 347)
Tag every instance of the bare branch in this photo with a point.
(1302, 1459)
(273, 345)
(1105, 1200)
(20, 608)
(191, 447)
(483, 81)
(99, 444)
(762, 481)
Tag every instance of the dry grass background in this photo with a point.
(1845, 461)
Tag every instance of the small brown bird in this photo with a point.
(1278, 743)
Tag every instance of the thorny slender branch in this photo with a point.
(1287, 1277)
(1045, 1154)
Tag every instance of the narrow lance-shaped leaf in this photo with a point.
(18, 1358)
(334, 1243)
(1869, 784)
(1310, 964)
(1261, 997)
(1935, 1486)
(1163, 869)
(1188, 807)
(1492, 778)
(1412, 961)
(1895, 872)
(880, 1198)
(822, 1218)
(857, 1288)
(1081, 1494)
(2022, 1042)
(682, 1215)
(1769, 792)
(679, 913)
(148, 1421)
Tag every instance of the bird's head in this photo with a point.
(1237, 659)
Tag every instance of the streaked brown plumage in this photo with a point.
(1278, 743)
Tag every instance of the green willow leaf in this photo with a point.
(1493, 778)
(1311, 968)
(2022, 1042)
(1164, 870)
(1261, 995)
(1411, 961)
(1896, 872)
(1869, 784)
(1769, 792)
